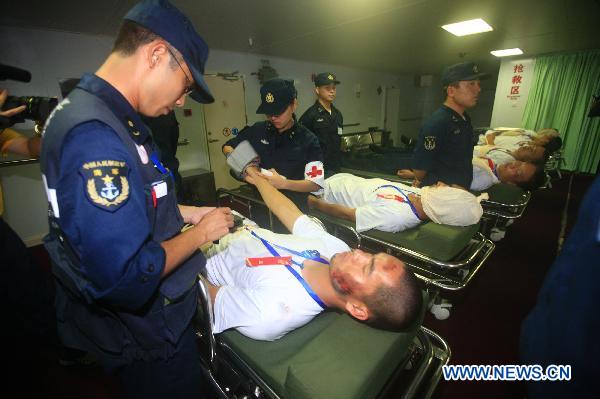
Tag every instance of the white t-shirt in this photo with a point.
(500, 156)
(483, 178)
(509, 141)
(265, 302)
(512, 142)
(377, 207)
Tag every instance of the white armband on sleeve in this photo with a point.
(315, 172)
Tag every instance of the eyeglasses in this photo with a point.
(190, 87)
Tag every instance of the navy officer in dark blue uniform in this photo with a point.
(326, 121)
(444, 148)
(126, 276)
(285, 147)
(562, 328)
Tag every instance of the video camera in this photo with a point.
(37, 108)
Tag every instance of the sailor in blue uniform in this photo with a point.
(326, 121)
(445, 145)
(283, 144)
(126, 275)
(561, 328)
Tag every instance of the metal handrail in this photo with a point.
(444, 354)
(18, 162)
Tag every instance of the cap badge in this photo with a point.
(330, 77)
(475, 69)
(269, 98)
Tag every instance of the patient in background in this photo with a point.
(254, 292)
(527, 175)
(500, 155)
(392, 207)
(511, 139)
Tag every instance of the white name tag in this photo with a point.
(339, 131)
(160, 189)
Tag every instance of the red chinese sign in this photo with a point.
(516, 81)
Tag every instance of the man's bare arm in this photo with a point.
(304, 186)
(419, 176)
(285, 210)
(337, 210)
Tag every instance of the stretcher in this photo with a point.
(333, 356)
(506, 202)
(552, 166)
(445, 257)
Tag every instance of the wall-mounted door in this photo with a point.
(224, 119)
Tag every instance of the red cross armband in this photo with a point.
(315, 172)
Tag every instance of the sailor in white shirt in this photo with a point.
(524, 153)
(392, 207)
(266, 284)
(486, 173)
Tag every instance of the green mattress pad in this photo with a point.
(333, 356)
(437, 241)
(505, 194)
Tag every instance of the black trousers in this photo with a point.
(28, 333)
(180, 376)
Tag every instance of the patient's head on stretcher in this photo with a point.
(376, 288)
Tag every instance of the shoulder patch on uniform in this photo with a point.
(429, 143)
(106, 183)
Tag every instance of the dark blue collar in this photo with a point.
(118, 104)
(321, 108)
(464, 117)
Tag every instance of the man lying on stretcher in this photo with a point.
(486, 173)
(265, 284)
(391, 206)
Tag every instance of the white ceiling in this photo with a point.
(400, 36)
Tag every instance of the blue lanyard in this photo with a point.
(412, 207)
(304, 254)
(158, 165)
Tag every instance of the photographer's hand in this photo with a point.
(9, 112)
(12, 141)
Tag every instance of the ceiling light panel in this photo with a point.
(507, 52)
(469, 27)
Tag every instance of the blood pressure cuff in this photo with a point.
(242, 157)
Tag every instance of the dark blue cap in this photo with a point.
(326, 78)
(275, 95)
(163, 19)
(462, 71)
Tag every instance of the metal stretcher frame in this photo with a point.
(429, 353)
(452, 275)
(493, 210)
(553, 164)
